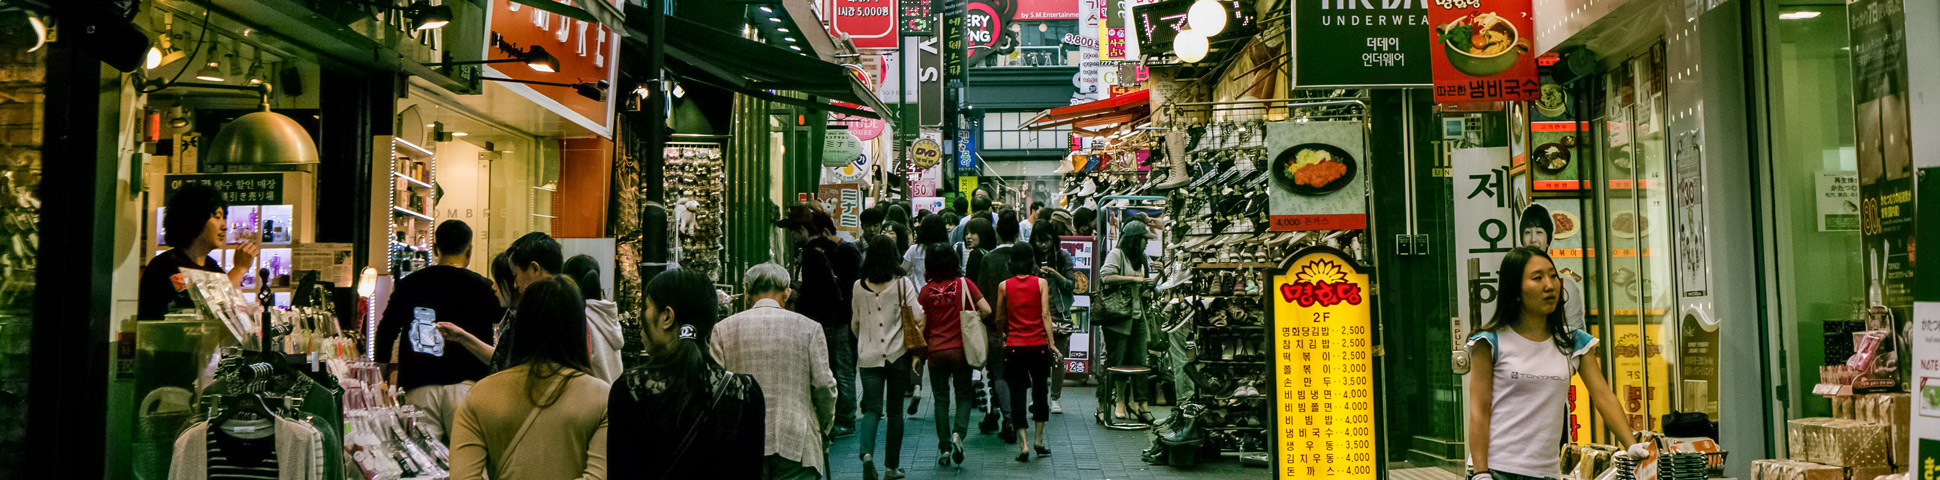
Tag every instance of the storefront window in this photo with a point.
(491, 177)
(1039, 44)
(1005, 131)
(1815, 219)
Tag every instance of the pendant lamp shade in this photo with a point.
(262, 138)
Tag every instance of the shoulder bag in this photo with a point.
(914, 339)
(1116, 301)
(975, 342)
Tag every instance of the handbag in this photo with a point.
(914, 341)
(1117, 302)
(976, 345)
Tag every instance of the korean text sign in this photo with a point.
(1360, 43)
(869, 23)
(1323, 405)
(1482, 50)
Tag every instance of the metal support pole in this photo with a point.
(654, 245)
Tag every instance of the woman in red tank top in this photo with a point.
(1023, 305)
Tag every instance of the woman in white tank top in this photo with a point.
(1519, 388)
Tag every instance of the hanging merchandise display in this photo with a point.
(696, 183)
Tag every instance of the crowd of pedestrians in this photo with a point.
(839, 340)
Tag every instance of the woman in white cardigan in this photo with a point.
(879, 300)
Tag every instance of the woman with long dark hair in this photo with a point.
(1024, 309)
(979, 238)
(1057, 269)
(878, 302)
(681, 415)
(1523, 358)
(943, 299)
(1124, 268)
(931, 232)
(544, 417)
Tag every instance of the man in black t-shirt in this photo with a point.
(435, 376)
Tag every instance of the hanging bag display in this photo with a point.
(975, 345)
(914, 340)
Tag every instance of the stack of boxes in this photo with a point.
(1866, 439)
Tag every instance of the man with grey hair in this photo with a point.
(788, 356)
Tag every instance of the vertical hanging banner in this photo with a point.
(1482, 51)
(1323, 389)
(1317, 169)
(1091, 70)
(868, 23)
(1482, 229)
(966, 147)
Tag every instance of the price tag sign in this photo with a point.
(1323, 395)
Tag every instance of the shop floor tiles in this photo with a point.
(1080, 449)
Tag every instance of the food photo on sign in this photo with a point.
(1318, 179)
(1483, 51)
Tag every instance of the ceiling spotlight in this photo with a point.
(782, 29)
(774, 19)
(154, 58)
(209, 73)
(537, 59)
(766, 10)
(425, 16)
(791, 39)
(795, 47)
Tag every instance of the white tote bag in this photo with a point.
(975, 346)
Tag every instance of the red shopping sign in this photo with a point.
(1483, 50)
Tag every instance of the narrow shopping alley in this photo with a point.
(1080, 449)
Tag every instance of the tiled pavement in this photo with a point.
(1080, 449)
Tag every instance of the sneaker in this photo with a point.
(1056, 409)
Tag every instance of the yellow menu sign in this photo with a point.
(1323, 396)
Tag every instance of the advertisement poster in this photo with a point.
(844, 202)
(868, 23)
(1360, 44)
(1481, 51)
(586, 52)
(1697, 364)
(1693, 256)
(1555, 156)
(1323, 407)
(1482, 229)
(988, 30)
(1318, 175)
(1885, 154)
(1112, 29)
(1837, 194)
(839, 147)
(1081, 262)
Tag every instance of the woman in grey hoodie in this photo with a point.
(602, 318)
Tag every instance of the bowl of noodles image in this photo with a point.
(1482, 45)
(1314, 169)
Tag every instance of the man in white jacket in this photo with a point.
(602, 318)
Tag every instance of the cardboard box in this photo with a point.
(1798, 435)
(1850, 443)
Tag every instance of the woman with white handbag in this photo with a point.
(954, 312)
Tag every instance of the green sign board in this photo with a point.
(1360, 43)
(839, 147)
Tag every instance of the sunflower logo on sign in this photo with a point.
(1321, 282)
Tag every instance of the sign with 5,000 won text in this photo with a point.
(1323, 405)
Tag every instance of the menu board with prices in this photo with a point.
(1323, 396)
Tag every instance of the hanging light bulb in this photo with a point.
(1190, 46)
(1206, 16)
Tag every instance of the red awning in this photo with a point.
(1120, 109)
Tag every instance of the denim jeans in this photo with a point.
(949, 374)
(993, 375)
(842, 350)
(888, 381)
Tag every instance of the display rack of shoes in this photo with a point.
(695, 193)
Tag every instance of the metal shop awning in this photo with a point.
(703, 54)
(1089, 116)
